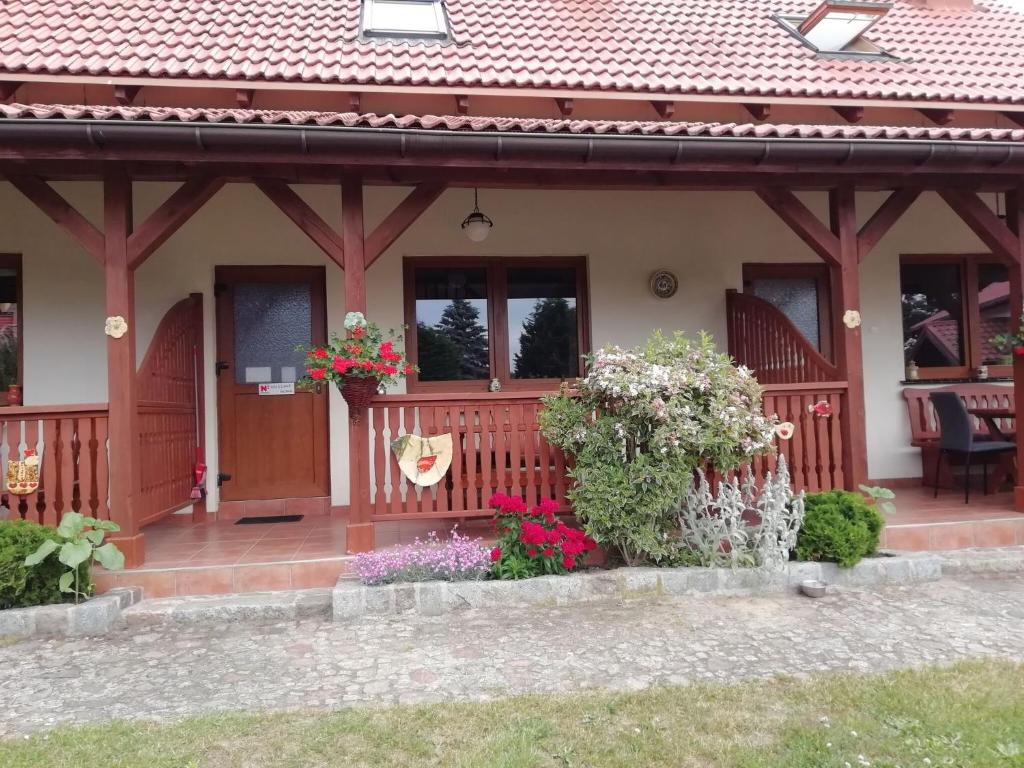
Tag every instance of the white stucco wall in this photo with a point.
(704, 237)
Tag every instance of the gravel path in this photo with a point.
(171, 671)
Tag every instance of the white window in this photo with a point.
(838, 26)
(404, 18)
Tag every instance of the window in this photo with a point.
(521, 321)
(838, 26)
(952, 307)
(10, 321)
(801, 292)
(404, 18)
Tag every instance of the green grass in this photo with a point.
(971, 714)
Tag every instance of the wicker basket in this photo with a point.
(358, 391)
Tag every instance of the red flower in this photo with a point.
(1018, 351)
(317, 373)
(549, 516)
(531, 552)
(496, 554)
(548, 552)
(569, 563)
(357, 332)
(390, 370)
(353, 349)
(572, 548)
(386, 347)
(366, 365)
(342, 364)
(320, 353)
(408, 369)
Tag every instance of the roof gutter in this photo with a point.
(420, 146)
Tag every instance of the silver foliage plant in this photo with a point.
(742, 525)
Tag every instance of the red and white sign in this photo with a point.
(277, 388)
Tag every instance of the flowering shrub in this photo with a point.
(363, 352)
(457, 559)
(644, 420)
(534, 542)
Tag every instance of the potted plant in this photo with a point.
(359, 363)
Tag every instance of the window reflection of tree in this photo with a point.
(547, 345)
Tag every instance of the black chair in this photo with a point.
(957, 438)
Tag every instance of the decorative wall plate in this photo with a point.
(115, 327)
(664, 284)
(424, 460)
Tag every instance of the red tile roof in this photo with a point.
(717, 47)
(504, 124)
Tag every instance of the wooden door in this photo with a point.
(272, 445)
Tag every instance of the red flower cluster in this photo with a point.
(363, 353)
(533, 541)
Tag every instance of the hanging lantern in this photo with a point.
(477, 225)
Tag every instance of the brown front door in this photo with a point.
(272, 445)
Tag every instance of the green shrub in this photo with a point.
(21, 585)
(839, 527)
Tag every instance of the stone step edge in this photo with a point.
(352, 600)
(283, 605)
(96, 616)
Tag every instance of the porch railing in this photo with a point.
(72, 442)
(498, 447)
(762, 338)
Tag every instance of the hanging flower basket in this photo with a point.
(359, 363)
(358, 392)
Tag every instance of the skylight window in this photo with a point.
(404, 18)
(838, 26)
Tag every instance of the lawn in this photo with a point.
(968, 715)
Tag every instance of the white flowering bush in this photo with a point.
(642, 422)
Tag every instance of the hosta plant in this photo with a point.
(533, 541)
(79, 541)
(741, 524)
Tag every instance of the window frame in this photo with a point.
(970, 314)
(368, 31)
(817, 271)
(14, 261)
(496, 268)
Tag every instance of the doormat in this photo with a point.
(268, 519)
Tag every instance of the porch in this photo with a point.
(812, 216)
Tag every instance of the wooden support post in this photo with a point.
(125, 466)
(845, 284)
(1015, 221)
(359, 532)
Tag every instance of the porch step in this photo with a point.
(225, 579)
(957, 534)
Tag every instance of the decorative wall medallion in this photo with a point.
(851, 319)
(115, 327)
(664, 284)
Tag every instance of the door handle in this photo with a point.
(220, 365)
(318, 388)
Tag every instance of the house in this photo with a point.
(192, 189)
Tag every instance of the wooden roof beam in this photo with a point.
(938, 116)
(759, 111)
(665, 109)
(65, 215)
(305, 218)
(565, 106)
(850, 114)
(125, 94)
(8, 89)
(245, 97)
(355, 102)
(799, 218)
(400, 219)
(1016, 117)
(170, 217)
(462, 104)
(984, 223)
(888, 213)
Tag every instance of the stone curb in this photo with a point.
(352, 600)
(96, 616)
(963, 562)
(249, 606)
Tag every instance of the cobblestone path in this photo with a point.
(174, 671)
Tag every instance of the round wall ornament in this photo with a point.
(115, 327)
(664, 284)
(851, 319)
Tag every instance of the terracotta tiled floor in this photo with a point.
(922, 522)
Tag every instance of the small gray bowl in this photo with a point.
(813, 588)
